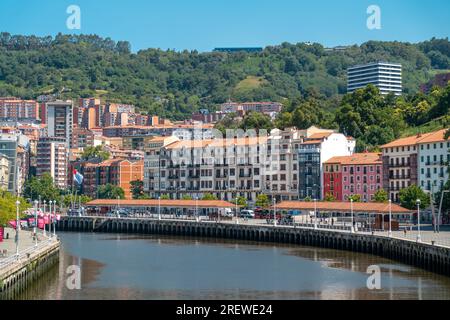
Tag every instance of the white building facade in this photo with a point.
(434, 159)
(385, 76)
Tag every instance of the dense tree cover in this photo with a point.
(42, 187)
(174, 84)
(240, 201)
(8, 208)
(68, 199)
(109, 191)
(355, 198)
(410, 195)
(137, 189)
(209, 196)
(262, 201)
(368, 116)
(381, 196)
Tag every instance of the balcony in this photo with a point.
(400, 165)
(398, 177)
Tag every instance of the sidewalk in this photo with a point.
(25, 241)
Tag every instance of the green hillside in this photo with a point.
(174, 84)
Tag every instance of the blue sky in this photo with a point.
(205, 24)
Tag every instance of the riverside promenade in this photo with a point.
(33, 260)
(432, 253)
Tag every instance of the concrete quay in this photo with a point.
(16, 272)
(431, 257)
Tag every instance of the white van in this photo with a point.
(226, 212)
(249, 214)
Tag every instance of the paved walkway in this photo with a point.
(428, 236)
(25, 241)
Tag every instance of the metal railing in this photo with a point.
(25, 253)
(427, 236)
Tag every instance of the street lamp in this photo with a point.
(50, 219)
(17, 227)
(419, 238)
(390, 218)
(237, 216)
(274, 212)
(118, 206)
(35, 221)
(43, 212)
(159, 208)
(440, 209)
(351, 209)
(196, 209)
(54, 218)
(315, 213)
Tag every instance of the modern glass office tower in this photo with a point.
(384, 75)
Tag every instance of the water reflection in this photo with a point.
(136, 268)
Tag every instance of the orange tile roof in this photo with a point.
(357, 159)
(217, 142)
(312, 142)
(163, 203)
(189, 144)
(359, 207)
(320, 136)
(436, 136)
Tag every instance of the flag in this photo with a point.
(78, 177)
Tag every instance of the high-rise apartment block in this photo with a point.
(52, 158)
(59, 119)
(385, 76)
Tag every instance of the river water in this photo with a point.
(153, 267)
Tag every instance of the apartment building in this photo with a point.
(415, 160)
(237, 166)
(182, 131)
(4, 172)
(400, 165)
(17, 109)
(117, 172)
(52, 157)
(318, 147)
(82, 138)
(384, 75)
(358, 174)
(152, 161)
(263, 107)
(434, 160)
(59, 119)
(224, 167)
(15, 147)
